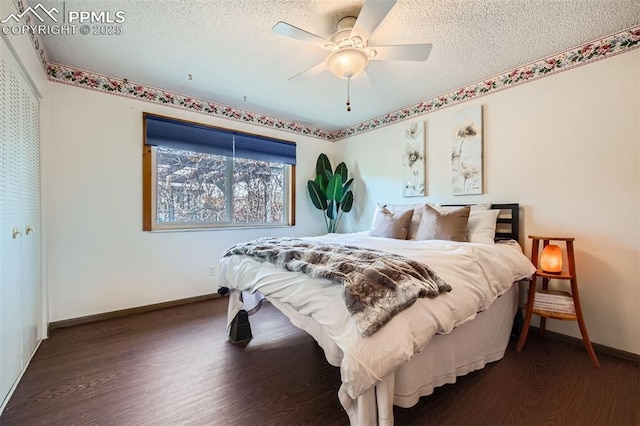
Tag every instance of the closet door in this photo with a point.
(20, 268)
(30, 214)
(3, 221)
(10, 232)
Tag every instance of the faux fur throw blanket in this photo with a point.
(377, 285)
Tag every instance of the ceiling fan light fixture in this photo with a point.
(347, 62)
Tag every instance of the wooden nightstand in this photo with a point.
(554, 304)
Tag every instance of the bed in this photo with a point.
(421, 347)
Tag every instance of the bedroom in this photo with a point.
(97, 258)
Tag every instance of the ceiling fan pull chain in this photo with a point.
(348, 100)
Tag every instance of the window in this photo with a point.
(197, 176)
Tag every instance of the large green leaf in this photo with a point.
(347, 203)
(322, 181)
(342, 171)
(331, 210)
(317, 196)
(334, 188)
(323, 164)
(347, 186)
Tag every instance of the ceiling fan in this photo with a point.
(348, 46)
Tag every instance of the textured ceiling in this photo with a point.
(229, 49)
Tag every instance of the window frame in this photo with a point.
(149, 189)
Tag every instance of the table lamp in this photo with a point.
(551, 259)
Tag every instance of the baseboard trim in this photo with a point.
(130, 311)
(607, 350)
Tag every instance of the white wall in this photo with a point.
(99, 258)
(567, 149)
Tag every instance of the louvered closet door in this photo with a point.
(20, 288)
(3, 215)
(11, 315)
(30, 213)
(4, 161)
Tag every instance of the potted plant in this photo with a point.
(330, 191)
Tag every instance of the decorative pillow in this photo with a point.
(391, 225)
(401, 208)
(450, 225)
(481, 227)
(415, 222)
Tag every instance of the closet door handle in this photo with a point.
(16, 233)
(28, 230)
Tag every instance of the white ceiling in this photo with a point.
(229, 48)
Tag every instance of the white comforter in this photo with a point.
(478, 273)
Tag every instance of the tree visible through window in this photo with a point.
(198, 176)
(258, 191)
(194, 187)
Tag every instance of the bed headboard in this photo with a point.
(508, 224)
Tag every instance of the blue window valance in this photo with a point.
(179, 134)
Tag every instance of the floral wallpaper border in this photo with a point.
(620, 42)
(123, 87)
(609, 46)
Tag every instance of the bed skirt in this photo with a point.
(467, 348)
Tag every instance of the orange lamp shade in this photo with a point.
(551, 259)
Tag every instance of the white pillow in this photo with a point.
(474, 207)
(481, 227)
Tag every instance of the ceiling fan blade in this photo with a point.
(361, 81)
(289, 30)
(315, 70)
(371, 15)
(403, 52)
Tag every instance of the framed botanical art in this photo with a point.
(466, 151)
(413, 161)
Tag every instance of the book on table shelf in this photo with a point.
(554, 302)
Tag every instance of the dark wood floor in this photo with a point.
(175, 367)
